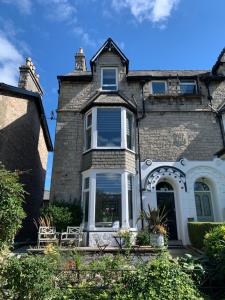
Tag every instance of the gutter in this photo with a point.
(138, 141)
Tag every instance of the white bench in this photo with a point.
(48, 235)
(73, 235)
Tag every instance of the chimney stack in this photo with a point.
(29, 79)
(80, 61)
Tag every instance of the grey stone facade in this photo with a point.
(25, 142)
(171, 125)
(174, 125)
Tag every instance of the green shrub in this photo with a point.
(29, 277)
(214, 243)
(197, 231)
(11, 201)
(161, 278)
(63, 214)
(143, 238)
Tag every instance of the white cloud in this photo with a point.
(10, 59)
(23, 5)
(85, 37)
(150, 10)
(59, 10)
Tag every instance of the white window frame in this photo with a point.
(109, 68)
(151, 88)
(91, 173)
(86, 128)
(123, 144)
(188, 82)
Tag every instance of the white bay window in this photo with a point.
(108, 200)
(109, 128)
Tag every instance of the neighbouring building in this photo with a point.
(25, 140)
(126, 139)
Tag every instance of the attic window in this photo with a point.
(158, 87)
(109, 79)
(188, 87)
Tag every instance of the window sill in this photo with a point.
(109, 149)
(175, 95)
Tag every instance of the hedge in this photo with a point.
(197, 231)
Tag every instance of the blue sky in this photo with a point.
(153, 34)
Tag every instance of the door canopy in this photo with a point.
(161, 173)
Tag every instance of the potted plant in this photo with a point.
(155, 219)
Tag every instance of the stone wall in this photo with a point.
(23, 147)
(100, 159)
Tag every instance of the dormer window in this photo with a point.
(188, 87)
(158, 87)
(109, 79)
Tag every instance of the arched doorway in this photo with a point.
(165, 199)
(203, 202)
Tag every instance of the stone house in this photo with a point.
(25, 140)
(126, 139)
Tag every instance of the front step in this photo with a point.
(175, 244)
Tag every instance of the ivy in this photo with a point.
(11, 200)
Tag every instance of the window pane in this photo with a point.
(89, 120)
(206, 205)
(109, 127)
(158, 87)
(198, 205)
(109, 87)
(88, 138)
(86, 183)
(201, 186)
(109, 77)
(108, 199)
(86, 205)
(129, 128)
(187, 88)
(130, 200)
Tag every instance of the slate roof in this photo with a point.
(110, 45)
(38, 101)
(218, 61)
(108, 99)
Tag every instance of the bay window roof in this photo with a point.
(102, 98)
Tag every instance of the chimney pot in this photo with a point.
(80, 61)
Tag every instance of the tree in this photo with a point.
(12, 214)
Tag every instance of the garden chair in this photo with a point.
(73, 235)
(47, 235)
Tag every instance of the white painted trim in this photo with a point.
(91, 173)
(123, 128)
(94, 139)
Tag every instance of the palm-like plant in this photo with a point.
(154, 218)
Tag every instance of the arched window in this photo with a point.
(203, 201)
(164, 187)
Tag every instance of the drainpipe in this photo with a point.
(218, 114)
(143, 114)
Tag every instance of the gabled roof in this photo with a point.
(37, 99)
(102, 98)
(219, 61)
(110, 45)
